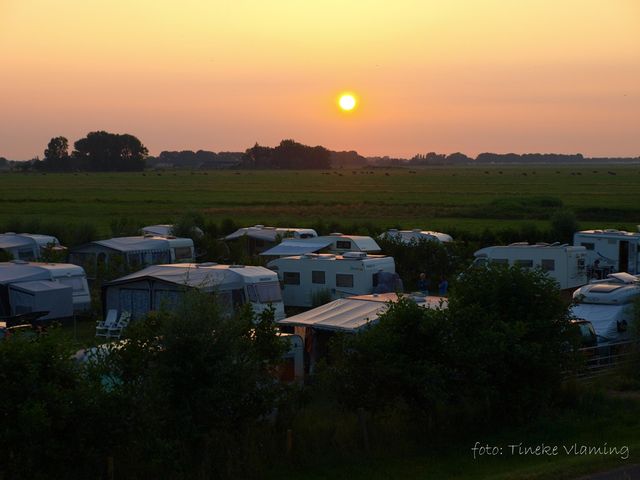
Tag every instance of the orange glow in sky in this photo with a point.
(432, 75)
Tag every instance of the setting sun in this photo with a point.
(347, 102)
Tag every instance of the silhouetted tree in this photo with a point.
(103, 151)
(56, 156)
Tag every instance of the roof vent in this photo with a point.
(20, 262)
(236, 266)
(336, 234)
(206, 264)
(416, 230)
(258, 226)
(148, 235)
(354, 255)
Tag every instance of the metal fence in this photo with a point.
(600, 360)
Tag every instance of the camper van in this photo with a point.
(260, 238)
(59, 288)
(27, 246)
(609, 305)
(305, 278)
(132, 253)
(563, 263)
(162, 286)
(610, 251)
(335, 243)
(416, 235)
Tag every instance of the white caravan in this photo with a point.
(564, 263)
(609, 305)
(132, 252)
(610, 251)
(335, 243)
(161, 286)
(27, 246)
(261, 238)
(312, 277)
(44, 286)
(416, 235)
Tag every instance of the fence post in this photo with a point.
(362, 420)
(289, 443)
(110, 469)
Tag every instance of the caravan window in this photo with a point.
(237, 296)
(343, 244)
(548, 265)
(77, 283)
(523, 263)
(162, 256)
(25, 254)
(291, 278)
(588, 245)
(253, 295)
(317, 276)
(344, 280)
(182, 253)
(269, 292)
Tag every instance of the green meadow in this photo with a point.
(462, 198)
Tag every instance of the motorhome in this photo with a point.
(564, 263)
(27, 246)
(260, 238)
(131, 253)
(163, 286)
(416, 235)
(59, 288)
(307, 279)
(609, 305)
(610, 251)
(335, 243)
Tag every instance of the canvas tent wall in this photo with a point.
(335, 243)
(132, 253)
(163, 286)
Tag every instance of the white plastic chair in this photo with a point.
(102, 328)
(123, 322)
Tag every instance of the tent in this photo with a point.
(352, 313)
(42, 296)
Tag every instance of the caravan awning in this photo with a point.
(345, 315)
(297, 247)
(42, 296)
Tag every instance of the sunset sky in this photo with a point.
(430, 75)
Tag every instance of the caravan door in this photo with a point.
(623, 256)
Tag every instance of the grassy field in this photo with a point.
(468, 198)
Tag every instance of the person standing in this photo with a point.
(423, 284)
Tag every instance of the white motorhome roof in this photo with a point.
(330, 257)
(42, 240)
(143, 243)
(405, 236)
(202, 276)
(483, 252)
(13, 240)
(617, 288)
(608, 233)
(297, 246)
(260, 232)
(352, 313)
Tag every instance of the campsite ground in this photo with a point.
(601, 419)
(463, 198)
